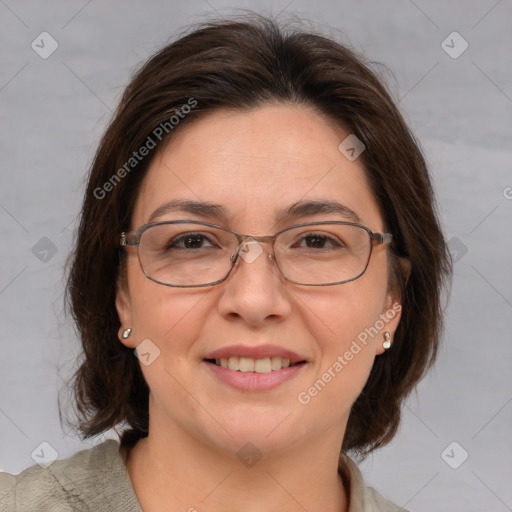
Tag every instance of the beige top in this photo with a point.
(96, 480)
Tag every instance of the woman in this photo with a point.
(259, 229)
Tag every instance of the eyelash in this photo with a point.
(183, 237)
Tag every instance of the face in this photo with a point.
(257, 165)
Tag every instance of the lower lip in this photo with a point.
(252, 381)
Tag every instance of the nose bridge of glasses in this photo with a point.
(251, 247)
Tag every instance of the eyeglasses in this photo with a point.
(187, 253)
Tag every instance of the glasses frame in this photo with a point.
(132, 239)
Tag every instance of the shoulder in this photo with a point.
(361, 497)
(375, 502)
(94, 479)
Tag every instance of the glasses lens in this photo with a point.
(186, 254)
(323, 253)
(193, 254)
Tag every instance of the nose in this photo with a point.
(255, 290)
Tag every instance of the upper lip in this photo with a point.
(255, 352)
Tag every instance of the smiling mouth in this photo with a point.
(248, 364)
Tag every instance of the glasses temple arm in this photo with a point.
(383, 238)
(128, 239)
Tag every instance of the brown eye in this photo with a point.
(190, 241)
(317, 241)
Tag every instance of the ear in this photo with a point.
(392, 311)
(124, 311)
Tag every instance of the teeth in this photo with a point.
(278, 363)
(263, 365)
(248, 364)
(234, 363)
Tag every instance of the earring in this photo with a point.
(126, 333)
(387, 340)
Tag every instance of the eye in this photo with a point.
(318, 241)
(190, 241)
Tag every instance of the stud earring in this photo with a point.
(126, 333)
(387, 340)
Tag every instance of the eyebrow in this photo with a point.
(297, 210)
(318, 207)
(199, 208)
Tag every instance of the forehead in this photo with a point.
(256, 164)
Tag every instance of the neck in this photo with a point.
(177, 472)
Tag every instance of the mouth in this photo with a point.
(254, 368)
(251, 365)
(254, 375)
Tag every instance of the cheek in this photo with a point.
(346, 325)
(343, 368)
(172, 320)
(342, 313)
(343, 330)
(169, 317)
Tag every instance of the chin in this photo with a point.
(254, 443)
(269, 429)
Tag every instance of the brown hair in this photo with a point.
(241, 64)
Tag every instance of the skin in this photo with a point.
(252, 163)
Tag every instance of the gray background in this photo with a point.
(54, 110)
